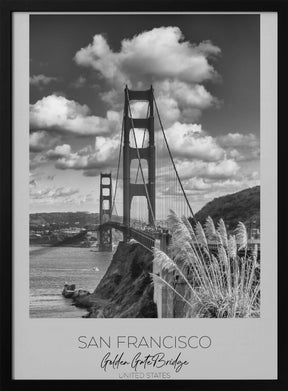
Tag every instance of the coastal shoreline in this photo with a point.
(125, 291)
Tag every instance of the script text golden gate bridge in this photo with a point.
(148, 172)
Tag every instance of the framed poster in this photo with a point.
(144, 210)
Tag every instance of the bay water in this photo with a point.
(51, 267)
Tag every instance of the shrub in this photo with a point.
(219, 283)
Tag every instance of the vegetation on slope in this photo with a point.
(242, 206)
(217, 284)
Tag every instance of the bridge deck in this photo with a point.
(147, 238)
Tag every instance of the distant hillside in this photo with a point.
(62, 218)
(69, 219)
(241, 206)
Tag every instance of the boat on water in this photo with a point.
(68, 290)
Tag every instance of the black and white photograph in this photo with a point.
(144, 166)
(144, 194)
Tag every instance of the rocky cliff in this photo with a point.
(125, 291)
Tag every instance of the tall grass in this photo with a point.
(219, 283)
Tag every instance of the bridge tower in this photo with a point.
(148, 153)
(105, 234)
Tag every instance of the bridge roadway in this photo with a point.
(147, 238)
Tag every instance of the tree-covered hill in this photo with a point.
(241, 206)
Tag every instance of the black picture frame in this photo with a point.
(6, 237)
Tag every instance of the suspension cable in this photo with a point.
(118, 167)
(172, 160)
(142, 144)
(139, 159)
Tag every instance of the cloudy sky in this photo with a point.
(205, 73)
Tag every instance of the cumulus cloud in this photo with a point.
(139, 109)
(59, 152)
(162, 57)
(186, 101)
(223, 169)
(187, 141)
(160, 53)
(79, 82)
(218, 189)
(103, 155)
(52, 193)
(241, 147)
(178, 70)
(41, 80)
(58, 113)
(83, 199)
(233, 140)
(197, 184)
(37, 160)
(42, 140)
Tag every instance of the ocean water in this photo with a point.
(51, 267)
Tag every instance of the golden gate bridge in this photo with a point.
(151, 184)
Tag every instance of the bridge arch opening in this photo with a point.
(105, 180)
(135, 172)
(141, 136)
(139, 108)
(105, 205)
(139, 212)
(106, 191)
